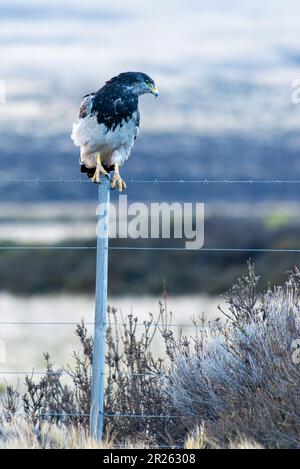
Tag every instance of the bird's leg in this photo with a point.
(117, 180)
(99, 169)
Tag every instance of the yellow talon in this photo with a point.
(117, 180)
(99, 170)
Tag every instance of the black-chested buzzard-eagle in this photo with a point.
(108, 124)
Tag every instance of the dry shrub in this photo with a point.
(241, 380)
(135, 383)
(134, 387)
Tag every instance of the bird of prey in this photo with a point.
(108, 124)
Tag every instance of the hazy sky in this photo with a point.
(221, 65)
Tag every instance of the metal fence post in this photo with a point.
(98, 366)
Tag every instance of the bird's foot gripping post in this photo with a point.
(117, 180)
(98, 366)
(99, 170)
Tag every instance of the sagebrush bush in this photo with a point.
(240, 380)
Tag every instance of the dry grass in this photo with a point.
(21, 434)
(199, 439)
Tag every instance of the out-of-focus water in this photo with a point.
(26, 343)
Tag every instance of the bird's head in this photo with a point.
(139, 83)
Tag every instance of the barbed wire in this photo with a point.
(149, 248)
(152, 181)
(46, 247)
(145, 248)
(108, 415)
(160, 416)
(67, 373)
(41, 323)
(59, 372)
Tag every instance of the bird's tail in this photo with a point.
(91, 171)
(88, 171)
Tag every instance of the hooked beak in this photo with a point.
(154, 90)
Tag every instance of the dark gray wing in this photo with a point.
(114, 104)
(86, 105)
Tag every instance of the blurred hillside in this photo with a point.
(143, 272)
(158, 156)
(224, 72)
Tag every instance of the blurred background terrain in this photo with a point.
(224, 70)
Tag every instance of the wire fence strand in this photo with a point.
(61, 180)
(40, 323)
(108, 415)
(67, 373)
(148, 248)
